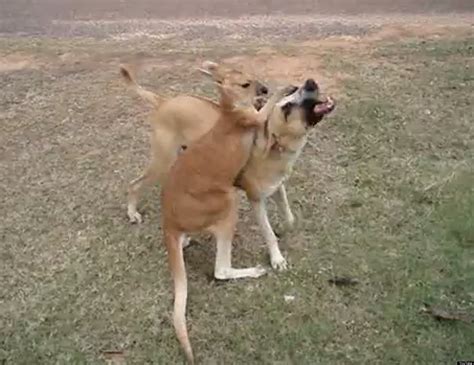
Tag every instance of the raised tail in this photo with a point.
(149, 96)
(178, 272)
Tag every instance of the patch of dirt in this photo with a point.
(270, 64)
(400, 31)
(16, 62)
(288, 69)
(392, 32)
(21, 61)
(79, 61)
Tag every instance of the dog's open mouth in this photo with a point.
(315, 110)
(324, 107)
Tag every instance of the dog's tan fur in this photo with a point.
(199, 196)
(182, 120)
(178, 120)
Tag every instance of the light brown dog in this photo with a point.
(199, 196)
(178, 120)
(182, 120)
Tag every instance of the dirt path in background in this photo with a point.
(115, 9)
(295, 19)
(254, 28)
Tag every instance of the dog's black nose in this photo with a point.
(310, 85)
(263, 90)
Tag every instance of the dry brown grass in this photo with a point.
(383, 193)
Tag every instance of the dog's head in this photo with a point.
(300, 111)
(243, 86)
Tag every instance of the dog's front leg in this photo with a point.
(224, 233)
(281, 200)
(276, 258)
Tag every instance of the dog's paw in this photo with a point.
(259, 271)
(290, 222)
(135, 217)
(232, 273)
(279, 263)
(293, 221)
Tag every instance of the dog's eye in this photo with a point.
(246, 85)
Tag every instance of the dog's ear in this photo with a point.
(211, 69)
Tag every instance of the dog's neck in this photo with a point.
(242, 104)
(275, 144)
(273, 141)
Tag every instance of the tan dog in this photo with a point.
(181, 120)
(199, 196)
(177, 121)
(288, 127)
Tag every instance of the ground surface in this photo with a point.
(383, 190)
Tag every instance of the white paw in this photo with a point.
(135, 217)
(259, 271)
(279, 262)
(231, 273)
(290, 222)
(186, 242)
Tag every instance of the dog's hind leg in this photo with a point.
(164, 153)
(151, 175)
(281, 200)
(224, 233)
(276, 258)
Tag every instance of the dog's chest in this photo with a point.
(263, 175)
(230, 156)
(247, 142)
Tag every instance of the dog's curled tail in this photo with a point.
(149, 96)
(178, 271)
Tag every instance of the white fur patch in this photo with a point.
(292, 98)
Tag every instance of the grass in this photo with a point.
(384, 193)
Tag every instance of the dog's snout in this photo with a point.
(310, 85)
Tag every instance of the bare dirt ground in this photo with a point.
(383, 191)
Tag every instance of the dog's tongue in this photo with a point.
(325, 107)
